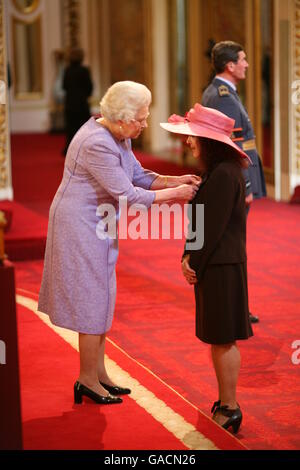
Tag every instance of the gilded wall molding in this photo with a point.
(4, 146)
(296, 77)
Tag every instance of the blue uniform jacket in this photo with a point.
(220, 96)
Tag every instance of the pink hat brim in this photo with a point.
(189, 128)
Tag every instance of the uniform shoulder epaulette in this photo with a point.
(223, 90)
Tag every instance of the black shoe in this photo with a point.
(215, 405)
(253, 318)
(234, 416)
(114, 390)
(81, 390)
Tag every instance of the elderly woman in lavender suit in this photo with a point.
(78, 288)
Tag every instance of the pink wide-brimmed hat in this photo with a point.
(204, 122)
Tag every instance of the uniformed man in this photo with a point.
(230, 64)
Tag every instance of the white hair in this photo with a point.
(123, 100)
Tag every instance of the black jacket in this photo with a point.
(78, 86)
(223, 195)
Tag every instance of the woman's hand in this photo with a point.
(186, 192)
(189, 179)
(249, 199)
(173, 192)
(187, 271)
(168, 182)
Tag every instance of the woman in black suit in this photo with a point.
(218, 270)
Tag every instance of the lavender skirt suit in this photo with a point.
(78, 289)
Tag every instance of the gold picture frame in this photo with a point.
(27, 65)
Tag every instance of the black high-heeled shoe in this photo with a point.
(235, 417)
(114, 390)
(81, 390)
(215, 405)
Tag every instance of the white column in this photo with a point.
(295, 99)
(6, 191)
(90, 40)
(31, 113)
(160, 139)
(277, 141)
(286, 97)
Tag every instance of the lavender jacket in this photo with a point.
(78, 288)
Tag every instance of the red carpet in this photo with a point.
(51, 421)
(26, 238)
(33, 192)
(154, 323)
(270, 403)
(37, 167)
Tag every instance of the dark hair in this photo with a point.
(224, 52)
(76, 56)
(214, 152)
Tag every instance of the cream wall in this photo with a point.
(287, 112)
(90, 37)
(33, 115)
(160, 139)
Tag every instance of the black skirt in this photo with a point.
(222, 312)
